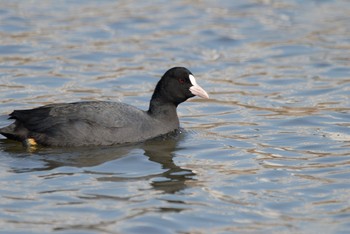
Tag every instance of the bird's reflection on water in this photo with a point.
(172, 178)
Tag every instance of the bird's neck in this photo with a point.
(162, 109)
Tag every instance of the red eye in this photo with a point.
(181, 81)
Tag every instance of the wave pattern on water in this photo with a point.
(269, 152)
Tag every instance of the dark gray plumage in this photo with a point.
(106, 123)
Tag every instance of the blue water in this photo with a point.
(268, 153)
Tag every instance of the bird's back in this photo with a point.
(81, 123)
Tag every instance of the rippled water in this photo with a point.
(268, 153)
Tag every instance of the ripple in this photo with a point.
(267, 153)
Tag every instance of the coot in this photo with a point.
(106, 123)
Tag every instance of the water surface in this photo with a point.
(268, 153)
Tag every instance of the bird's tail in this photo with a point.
(10, 132)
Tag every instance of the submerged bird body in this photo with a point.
(106, 123)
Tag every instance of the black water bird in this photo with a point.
(105, 123)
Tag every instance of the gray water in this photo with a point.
(268, 153)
